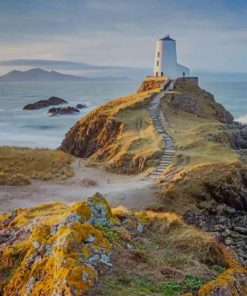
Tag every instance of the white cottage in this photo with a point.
(165, 63)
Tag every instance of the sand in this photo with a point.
(134, 192)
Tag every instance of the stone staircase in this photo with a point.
(159, 122)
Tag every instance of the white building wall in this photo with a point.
(182, 71)
(165, 62)
(158, 60)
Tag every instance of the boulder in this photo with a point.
(52, 101)
(185, 103)
(238, 138)
(81, 106)
(63, 111)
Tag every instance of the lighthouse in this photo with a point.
(165, 62)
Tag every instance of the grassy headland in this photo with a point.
(119, 135)
(18, 166)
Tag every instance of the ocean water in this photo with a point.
(229, 90)
(36, 129)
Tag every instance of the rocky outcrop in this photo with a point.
(151, 83)
(57, 258)
(52, 101)
(110, 134)
(191, 98)
(93, 134)
(231, 190)
(81, 106)
(238, 138)
(56, 249)
(185, 103)
(63, 111)
(82, 248)
(226, 224)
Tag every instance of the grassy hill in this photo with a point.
(118, 135)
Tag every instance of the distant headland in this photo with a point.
(38, 74)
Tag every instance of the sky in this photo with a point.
(211, 35)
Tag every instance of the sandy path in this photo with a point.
(136, 192)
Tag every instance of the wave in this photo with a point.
(242, 118)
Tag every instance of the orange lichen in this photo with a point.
(82, 209)
(233, 279)
(57, 258)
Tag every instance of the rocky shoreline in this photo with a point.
(226, 224)
(52, 101)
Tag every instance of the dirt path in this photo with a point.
(136, 192)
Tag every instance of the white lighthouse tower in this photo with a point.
(165, 63)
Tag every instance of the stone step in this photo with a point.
(159, 170)
(169, 152)
(168, 141)
(161, 167)
(163, 162)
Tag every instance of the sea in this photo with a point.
(35, 128)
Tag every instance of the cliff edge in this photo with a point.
(118, 135)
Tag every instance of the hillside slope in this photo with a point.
(90, 249)
(118, 135)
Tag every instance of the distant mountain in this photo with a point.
(38, 74)
(57, 64)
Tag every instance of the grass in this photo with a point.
(203, 151)
(169, 258)
(137, 146)
(19, 165)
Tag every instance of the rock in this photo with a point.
(62, 257)
(226, 233)
(63, 111)
(140, 228)
(228, 241)
(228, 228)
(100, 210)
(52, 101)
(233, 194)
(90, 239)
(191, 98)
(242, 230)
(185, 103)
(129, 246)
(238, 138)
(92, 128)
(81, 106)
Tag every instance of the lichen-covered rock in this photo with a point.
(61, 258)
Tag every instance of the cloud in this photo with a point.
(210, 34)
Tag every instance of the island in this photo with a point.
(52, 101)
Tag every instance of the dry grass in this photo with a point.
(161, 259)
(138, 146)
(198, 159)
(19, 165)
